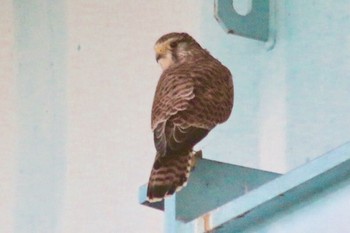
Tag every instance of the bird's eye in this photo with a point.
(173, 44)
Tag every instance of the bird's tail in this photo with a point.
(169, 174)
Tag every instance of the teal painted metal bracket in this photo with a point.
(254, 25)
(238, 200)
(211, 184)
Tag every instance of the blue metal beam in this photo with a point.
(227, 198)
(211, 184)
(282, 192)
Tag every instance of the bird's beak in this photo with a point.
(158, 56)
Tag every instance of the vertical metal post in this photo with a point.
(41, 98)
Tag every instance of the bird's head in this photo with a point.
(173, 48)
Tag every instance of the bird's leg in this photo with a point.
(195, 156)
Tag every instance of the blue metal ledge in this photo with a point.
(228, 198)
(211, 184)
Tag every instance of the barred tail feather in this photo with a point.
(169, 175)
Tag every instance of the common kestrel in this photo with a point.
(193, 95)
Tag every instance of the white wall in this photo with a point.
(8, 123)
(86, 70)
(112, 77)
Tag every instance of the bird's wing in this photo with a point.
(173, 94)
(189, 101)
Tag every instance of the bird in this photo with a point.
(195, 92)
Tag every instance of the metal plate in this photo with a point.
(254, 25)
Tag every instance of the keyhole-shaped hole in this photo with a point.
(242, 7)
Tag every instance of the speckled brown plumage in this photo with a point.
(193, 95)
